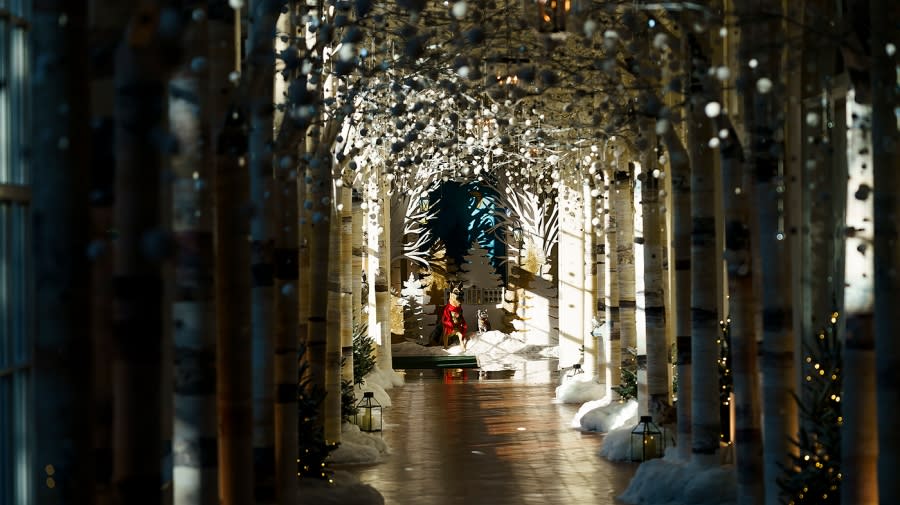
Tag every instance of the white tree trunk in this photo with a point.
(613, 345)
(332, 404)
(859, 432)
(287, 258)
(679, 163)
(640, 317)
(359, 220)
(705, 331)
(736, 193)
(764, 128)
(571, 274)
(378, 273)
(385, 361)
(347, 282)
(653, 305)
(591, 289)
(195, 476)
(260, 71)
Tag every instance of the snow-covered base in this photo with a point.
(387, 378)
(603, 416)
(671, 481)
(580, 390)
(345, 489)
(358, 447)
(617, 443)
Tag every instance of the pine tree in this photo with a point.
(813, 476)
(312, 448)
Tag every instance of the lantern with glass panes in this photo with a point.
(368, 413)
(647, 440)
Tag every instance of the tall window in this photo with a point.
(15, 282)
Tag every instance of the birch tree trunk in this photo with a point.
(681, 223)
(742, 303)
(380, 328)
(591, 292)
(332, 405)
(706, 426)
(195, 476)
(320, 198)
(385, 357)
(347, 282)
(260, 76)
(886, 167)
(623, 196)
(571, 274)
(139, 252)
(762, 100)
(859, 432)
(611, 292)
(372, 224)
(653, 304)
(640, 318)
(232, 281)
(359, 219)
(286, 336)
(287, 257)
(601, 372)
(63, 351)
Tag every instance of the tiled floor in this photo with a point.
(459, 440)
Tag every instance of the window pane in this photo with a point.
(5, 174)
(5, 309)
(6, 470)
(19, 134)
(19, 292)
(21, 437)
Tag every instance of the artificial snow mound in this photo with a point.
(617, 444)
(578, 390)
(672, 481)
(345, 489)
(358, 447)
(605, 416)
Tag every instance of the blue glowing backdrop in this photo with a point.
(466, 213)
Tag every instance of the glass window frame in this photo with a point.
(16, 278)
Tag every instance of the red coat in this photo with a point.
(453, 320)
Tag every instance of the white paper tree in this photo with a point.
(479, 272)
(413, 299)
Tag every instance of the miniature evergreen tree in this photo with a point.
(814, 473)
(312, 448)
(627, 388)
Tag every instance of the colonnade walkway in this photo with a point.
(457, 439)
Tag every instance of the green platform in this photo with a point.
(427, 362)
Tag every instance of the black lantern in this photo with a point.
(368, 413)
(647, 440)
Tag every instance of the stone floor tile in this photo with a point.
(488, 442)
